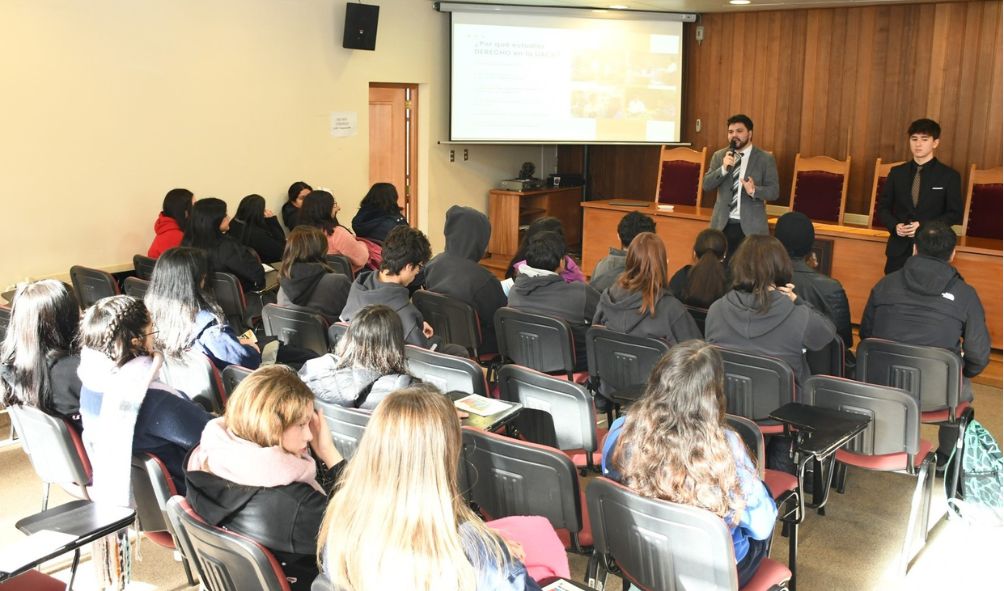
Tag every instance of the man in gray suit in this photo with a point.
(746, 178)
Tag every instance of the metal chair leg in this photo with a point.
(916, 525)
(45, 496)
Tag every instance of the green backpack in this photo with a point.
(981, 478)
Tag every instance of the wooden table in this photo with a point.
(858, 253)
(511, 210)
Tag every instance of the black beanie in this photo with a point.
(796, 233)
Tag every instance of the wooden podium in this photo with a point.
(512, 211)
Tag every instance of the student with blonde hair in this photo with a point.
(674, 445)
(398, 520)
(253, 473)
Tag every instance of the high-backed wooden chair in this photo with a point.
(984, 200)
(878, 182)
(819, 187)
(680, 173)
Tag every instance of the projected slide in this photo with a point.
(545, 78)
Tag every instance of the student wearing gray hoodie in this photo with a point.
(762, 314)
(305, 279)
(456, 271)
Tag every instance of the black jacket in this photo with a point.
(618, 310)
(549, 295)
(367, 290)
(824, 294)
(230, 256)
(456, 271)
(268, 241)
(375, 224)
(928, 303)
(289, 213)
(316, 289)
(940, 199)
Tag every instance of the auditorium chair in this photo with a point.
(296, 327)
(878, 182)
(152, 487)
(449, 373)
(55, 450)
(454, 321)
(538, 342)
(619, 365)
(984, 203)
(819, 187)
(91, 285)
(346, 425)
(681, 172)
(340, 264)
(143, 266)
(757, 385)
(232, 375)
(135, 287)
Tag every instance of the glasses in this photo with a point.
(151, 333)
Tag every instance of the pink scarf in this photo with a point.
(242, 462)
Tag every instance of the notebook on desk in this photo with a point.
(629, 203)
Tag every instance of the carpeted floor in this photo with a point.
(853, 547)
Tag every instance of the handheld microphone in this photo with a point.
(733, 146)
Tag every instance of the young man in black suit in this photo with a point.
(921, 190)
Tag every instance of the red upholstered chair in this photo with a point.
(680, 173)
(881, 172)
(819, 187)
(152, 487)
(757, 385)
(984, 202)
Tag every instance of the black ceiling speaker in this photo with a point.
(360, 26)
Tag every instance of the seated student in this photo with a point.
(38, 357)
(693, 457)
(540, 290)
(256, 227)
(207, 230)
(253, 473)
(306, 280)
(187, 316)
(639, 303)
(609, 268)
(378, 213)
(455, 272)
(795, 232)
(763, 314)
(398, 520)
(369, 365)
(700, 284)
(124, 408)
(927, 303)
(294, 200)
(569, 270)
(170, 225)
(405, 252)
(320, 210)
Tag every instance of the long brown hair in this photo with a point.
(674, 446)
(706, 280)
(760, 264)
(306, 244)
(645, 270)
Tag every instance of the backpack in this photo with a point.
(981, 478)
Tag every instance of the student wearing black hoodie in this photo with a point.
(456, 272)
(306, 280)
(762, 314)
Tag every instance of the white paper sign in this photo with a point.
(343, 124)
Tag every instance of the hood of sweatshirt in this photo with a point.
(165, 224)
(303, 278)
(738, 310)
(526, 284)
(367, 290)
(621, 307)
(369, 219)
(467, 232)
(928, 275)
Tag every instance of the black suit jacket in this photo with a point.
(940, 199)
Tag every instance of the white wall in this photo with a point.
(107, 104)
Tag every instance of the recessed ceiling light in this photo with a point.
(739, 2)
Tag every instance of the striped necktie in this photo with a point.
(735, 183)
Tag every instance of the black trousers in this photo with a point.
(734, 235)
(895, 263)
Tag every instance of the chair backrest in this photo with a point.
(538, 342)
(143, 266)
(299, 328)
(933, 376)
(512, 477)
(895, 418)
(752, 438)
(681, 171)
(230, 296)
(700, 316)
(828, 361)
(346, 426)
(152, 486)
(4, 321)
(339, 263)
(226, 561)
(658, 544)
(231, 376)
(453, 320)
(984, 202)
(92, 284)
(878, 182)
(568, 403)
(336, 332)
(446, 372)
(622, 363)
(55, 449)
(196, 376)
(819, 187)
(135, 287)
(756, 385)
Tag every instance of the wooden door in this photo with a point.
(393, 141)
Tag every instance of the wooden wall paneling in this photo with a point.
(570, 159)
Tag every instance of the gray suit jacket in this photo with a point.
(752, 212)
